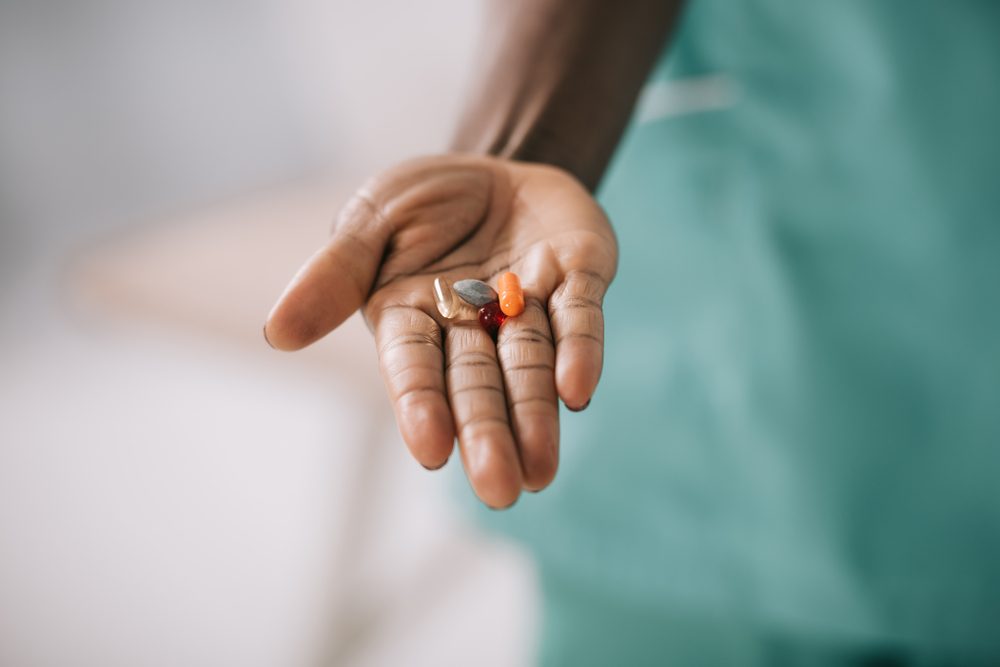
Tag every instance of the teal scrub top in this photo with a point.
(794, 453)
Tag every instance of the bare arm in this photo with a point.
(560, 78)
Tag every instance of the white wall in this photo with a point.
(171, 491)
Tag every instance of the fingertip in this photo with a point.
(325, 291)
(539, 447)
(287, 333)
(498, 499)
(539, 476)
(495, 493)
(500, 508)
(438, 467)
(279, 342)
(427, 430)
(495, 479)
(303, 315)
(576, 380)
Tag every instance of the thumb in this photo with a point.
(334, 282)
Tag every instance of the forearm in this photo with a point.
(560, 79)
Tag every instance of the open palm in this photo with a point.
(468, 217)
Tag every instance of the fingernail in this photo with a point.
(437, 468)
(265, 337)
(581, 408)
(505, 507)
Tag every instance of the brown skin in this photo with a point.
(563, 78)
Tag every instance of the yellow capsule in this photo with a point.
(511, 294)
(445, 298)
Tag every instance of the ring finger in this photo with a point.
(527, 357)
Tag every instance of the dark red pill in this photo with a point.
(491, 317)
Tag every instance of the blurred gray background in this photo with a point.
(115, 110)
(171, 491)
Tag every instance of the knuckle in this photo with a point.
(485, 386)
(472, 373)
(417, 392)
(527, 335)
(417, 339)
(571, 302)
(531, 408)
(408, 380)
(520, 355)
(480, 425)
(526, 367)
(582, 283)
(584, 336)
(471, 358)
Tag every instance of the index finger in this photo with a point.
(411, 361)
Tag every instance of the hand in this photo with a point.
(468, 217)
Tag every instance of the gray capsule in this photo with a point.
(475, 292)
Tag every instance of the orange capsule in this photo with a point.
(511, 295)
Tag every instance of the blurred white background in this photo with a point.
(172, 492)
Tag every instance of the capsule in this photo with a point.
(475, 292)
(491, 317)
(445, 298)
(511, 294)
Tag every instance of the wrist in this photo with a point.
(561, 80)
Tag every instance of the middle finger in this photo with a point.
(478, 404)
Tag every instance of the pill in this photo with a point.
(511, 294)
(491, 317)
(445, 298)
(475, 292)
